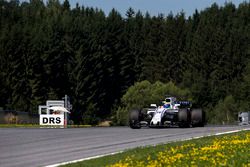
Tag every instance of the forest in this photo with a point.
(51, 49)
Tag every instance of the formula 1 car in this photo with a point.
(170, 113)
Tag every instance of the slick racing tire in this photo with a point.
(197, 118)
(184, 118)
(134, 119)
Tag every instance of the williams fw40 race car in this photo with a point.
(170, 113)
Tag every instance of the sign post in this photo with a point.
(55, 112)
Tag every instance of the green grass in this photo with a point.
(38, 126)
(19, 126)
(224, 150)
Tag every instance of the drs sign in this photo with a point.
(51, 119)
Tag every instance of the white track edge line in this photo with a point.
(103, 155)
(83, 159)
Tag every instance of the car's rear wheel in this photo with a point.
(197, 118)
(134, 119)
(184, 118)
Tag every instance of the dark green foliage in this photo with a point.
(49, 50)
(143, 93)
(229, 114)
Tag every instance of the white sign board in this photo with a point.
(52, 120)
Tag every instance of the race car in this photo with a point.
(170, 113)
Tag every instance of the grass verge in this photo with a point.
(224, 150)
(19, 126)
(39, 126)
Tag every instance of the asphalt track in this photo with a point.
(29, 147)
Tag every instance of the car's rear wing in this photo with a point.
(184, 103)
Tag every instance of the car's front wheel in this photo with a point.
(134, 119)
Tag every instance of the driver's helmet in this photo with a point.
(166, 105)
